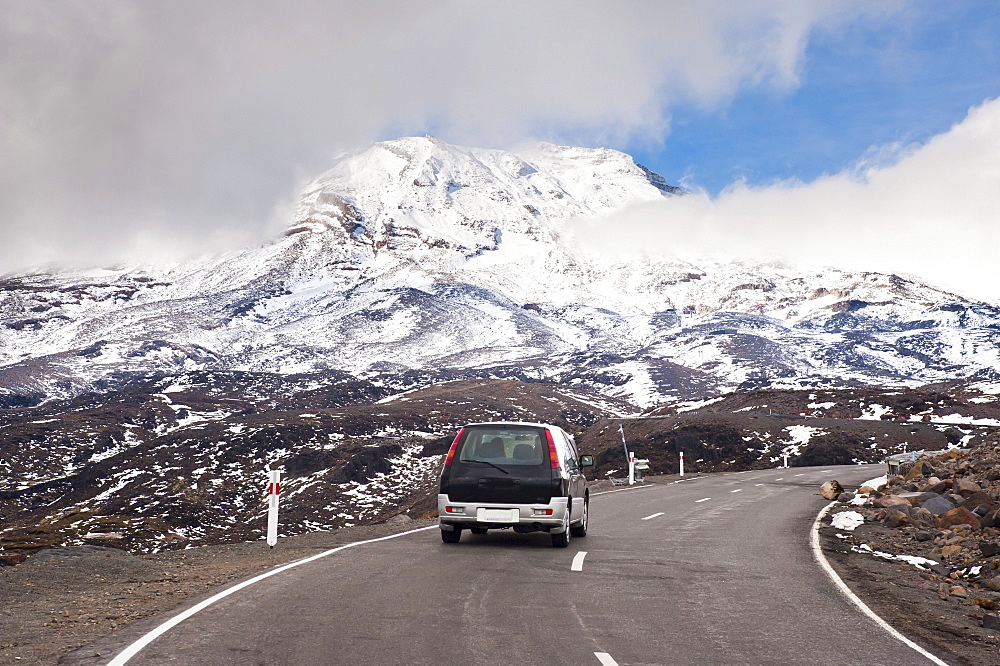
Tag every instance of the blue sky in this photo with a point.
(899, 80)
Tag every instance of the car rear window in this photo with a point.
(504, 446)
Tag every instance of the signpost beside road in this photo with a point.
(273, 490)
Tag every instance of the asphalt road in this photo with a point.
(713, 570)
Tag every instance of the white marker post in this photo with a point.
(629, 457)
(682, 463)
(273, 490)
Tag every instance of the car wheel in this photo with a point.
(451, 536)
(581, 529)
(478, 530)
(561, 540)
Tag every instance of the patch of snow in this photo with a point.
(919, 562)
(847, 520)
(874, 412)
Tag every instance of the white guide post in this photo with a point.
(682, 463)
(273, 490)
(785, 455)
(629, 457)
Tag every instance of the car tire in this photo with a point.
(561, 540)
(581, 529)
(451, 536)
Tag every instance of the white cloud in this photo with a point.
(932, 211)
(186, 124)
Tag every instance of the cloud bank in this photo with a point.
(152, 127)
(931, 211)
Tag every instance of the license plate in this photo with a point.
(498, 515)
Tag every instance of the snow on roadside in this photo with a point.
(847, 520)
(919, 562)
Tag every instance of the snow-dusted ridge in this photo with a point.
(418, 255)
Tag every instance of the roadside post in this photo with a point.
(628, 456)
(273, 490)
(682, 463)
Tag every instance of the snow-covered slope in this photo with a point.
(417, 255)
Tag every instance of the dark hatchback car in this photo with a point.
(524, 476)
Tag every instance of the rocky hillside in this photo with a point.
(761, 429)
(181, 461)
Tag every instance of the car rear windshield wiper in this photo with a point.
(487, 462)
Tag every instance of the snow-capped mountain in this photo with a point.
(415, 255)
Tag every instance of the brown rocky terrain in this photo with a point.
(927, 552)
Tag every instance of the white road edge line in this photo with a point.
(605, 659)
(703, 499)
(578, 561)
(134, 648)
(655, 515)
(853, 598)
(605, 492)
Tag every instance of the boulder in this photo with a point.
(993, 583)
(896, 516)
(937, 505)
(991, 621)
(830, 490)
(920, 468)
(915, 498)
(976, 499)
(845, 497)
(988, 548)
(965, 487)
(939, 487)
(957, 516)
(891, 500)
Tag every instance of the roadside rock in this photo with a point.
(831, 490)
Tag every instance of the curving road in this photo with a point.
(712, 570)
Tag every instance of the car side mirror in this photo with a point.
(586, 461)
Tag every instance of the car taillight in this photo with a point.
(454, 447)
(553, 454)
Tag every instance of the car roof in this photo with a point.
(512, 423)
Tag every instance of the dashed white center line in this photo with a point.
(780, 478)
(800, 475)
(703, 499)
(578, 561)
(655, 515)
(758, 484)
(738, 490)
(827, 471)
(605, 659)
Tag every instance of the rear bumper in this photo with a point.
(459, 515)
